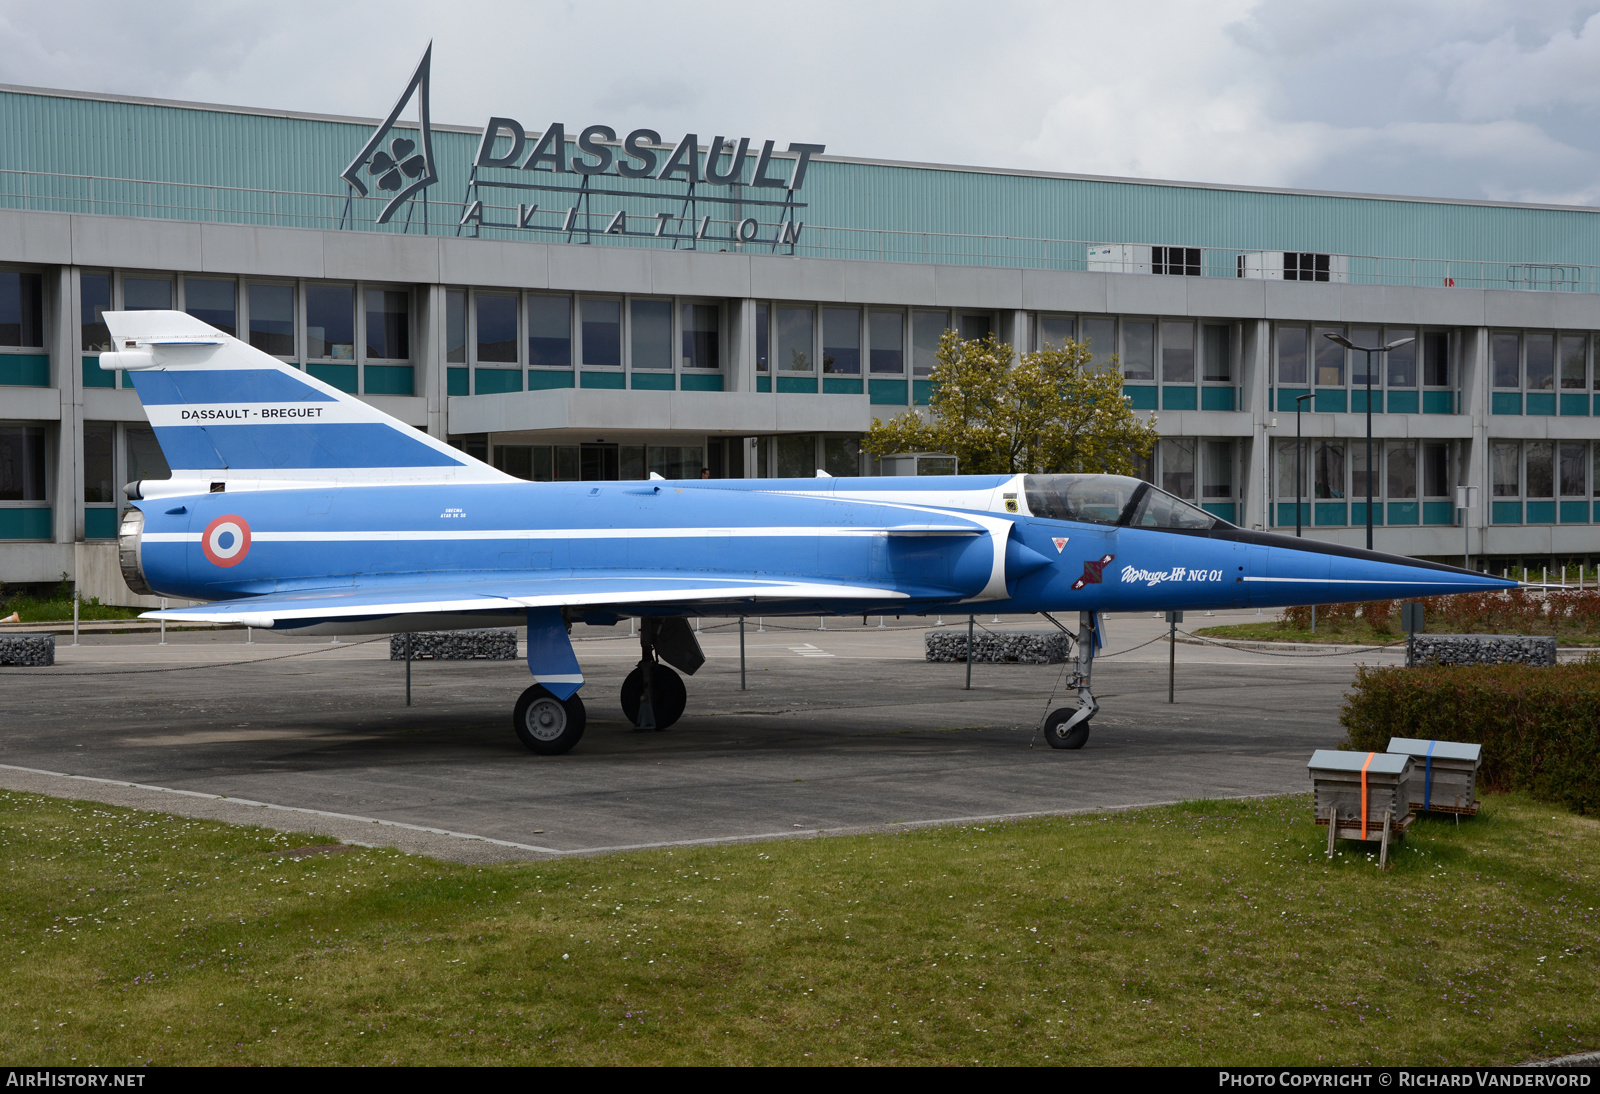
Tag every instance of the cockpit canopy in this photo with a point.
(1115, 500)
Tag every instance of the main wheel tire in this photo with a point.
(668, 698)
(1058, 736)
(547, 725)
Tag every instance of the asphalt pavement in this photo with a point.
(841, 729)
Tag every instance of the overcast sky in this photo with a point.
(1492, 98)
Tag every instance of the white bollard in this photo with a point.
(74, 617)
(249, 636)
(163, 641)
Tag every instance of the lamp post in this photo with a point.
(1369, 351)
(1299, 473)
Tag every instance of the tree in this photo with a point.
(1050, 412)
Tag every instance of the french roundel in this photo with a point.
(226, 541)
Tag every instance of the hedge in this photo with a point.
(1539, 727)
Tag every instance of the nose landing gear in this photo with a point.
(1067, 727)
(548, 725)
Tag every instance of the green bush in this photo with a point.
(1539, 726)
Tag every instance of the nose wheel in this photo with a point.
(1068, 727)
(547, 725)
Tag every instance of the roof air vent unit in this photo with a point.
(1294, 266)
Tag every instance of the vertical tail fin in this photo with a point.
(222, 407)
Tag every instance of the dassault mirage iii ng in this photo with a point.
(295, 507)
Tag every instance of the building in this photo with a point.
(547, 300)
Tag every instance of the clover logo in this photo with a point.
(388, 167)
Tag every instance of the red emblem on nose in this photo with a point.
(226, 541)
(1092, 572)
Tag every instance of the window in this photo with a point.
(1328, 469)
(652, 335)
(1329, 356)
(797, 456)
(1300, 266)
(1539, 480)
(497, 329)
(94, 290)
(389, 324)
(887, 335)
(1100, 335)
(701, 324)
(455, 327)
(146, 294)
(1361, 487)
(331, 322)
(602, 332)
(22, 455)
(841, 341)
(1055, 331)
(1183, 261)
(549, 331)
(1402, 359)
(1540, 362)
(21, 309)
(1574, 366)
(1177, 355)
(99, 459)
(794, 340)
(672, 462)
(1177, 468)
(1291, 456)
(1436, 358)
(1402, 471)
(976, 326)
(1436, 469)
(927, 327)
(1218, 355)
(1503, 460)
(1574, 463)
(763, 338)
(1504, 359)
(1292, 356)
(841, 456)
(1365, 337)
(1138, 350)
(212, 302)
(1218, 466)
(272, 319)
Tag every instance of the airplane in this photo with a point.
(295, 507)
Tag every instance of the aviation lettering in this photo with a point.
(1134, 576)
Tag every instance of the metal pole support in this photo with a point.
(741, 653)
(970, 622)
(408, 668)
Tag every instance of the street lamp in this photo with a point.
(1299, 474)
(1369, 351)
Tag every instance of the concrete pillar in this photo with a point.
(1472, 363)
(430, 357)
(742, 345)
(62, 343)
(1255, 375)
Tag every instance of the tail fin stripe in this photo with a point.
(223, 386)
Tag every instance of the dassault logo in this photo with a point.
(402, 168)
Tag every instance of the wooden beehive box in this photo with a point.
(1364, 788)
(1444, 774)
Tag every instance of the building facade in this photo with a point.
(564, 325)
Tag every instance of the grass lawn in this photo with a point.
(1353, 633)
(58, 609)
(1202, 933)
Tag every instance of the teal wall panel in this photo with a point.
(1541, 403)
(1288, 398)
(95, 376)
(24, 370)
(389, 380)
(548, 379)
(1539, 512)
(1217, 398)
(691, 381)
(1401, 402)
(1438, 402)
(886, 392)
(456, 381)
(1140, 396)
(652, 381)
(1505, 512)
(25, 523)
(1402, 512)
(1438, 512)
(795, 385)
(1330, 513)
(763, 383)
(1506, 402)
(1358, 401)
(611, 381)
(1572, 404)
(840, 385)
(1224, 509)
(1329, 400)
(1286, 514)
(342, 377)
(1179, 397)
(99, 523)
(922, 392)
(496, 381)
(1574, 512)
(1358, 513)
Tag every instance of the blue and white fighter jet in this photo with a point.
(295, 507)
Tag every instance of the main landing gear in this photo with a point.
(1068, 727)
(546, 724)
(653, 696)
